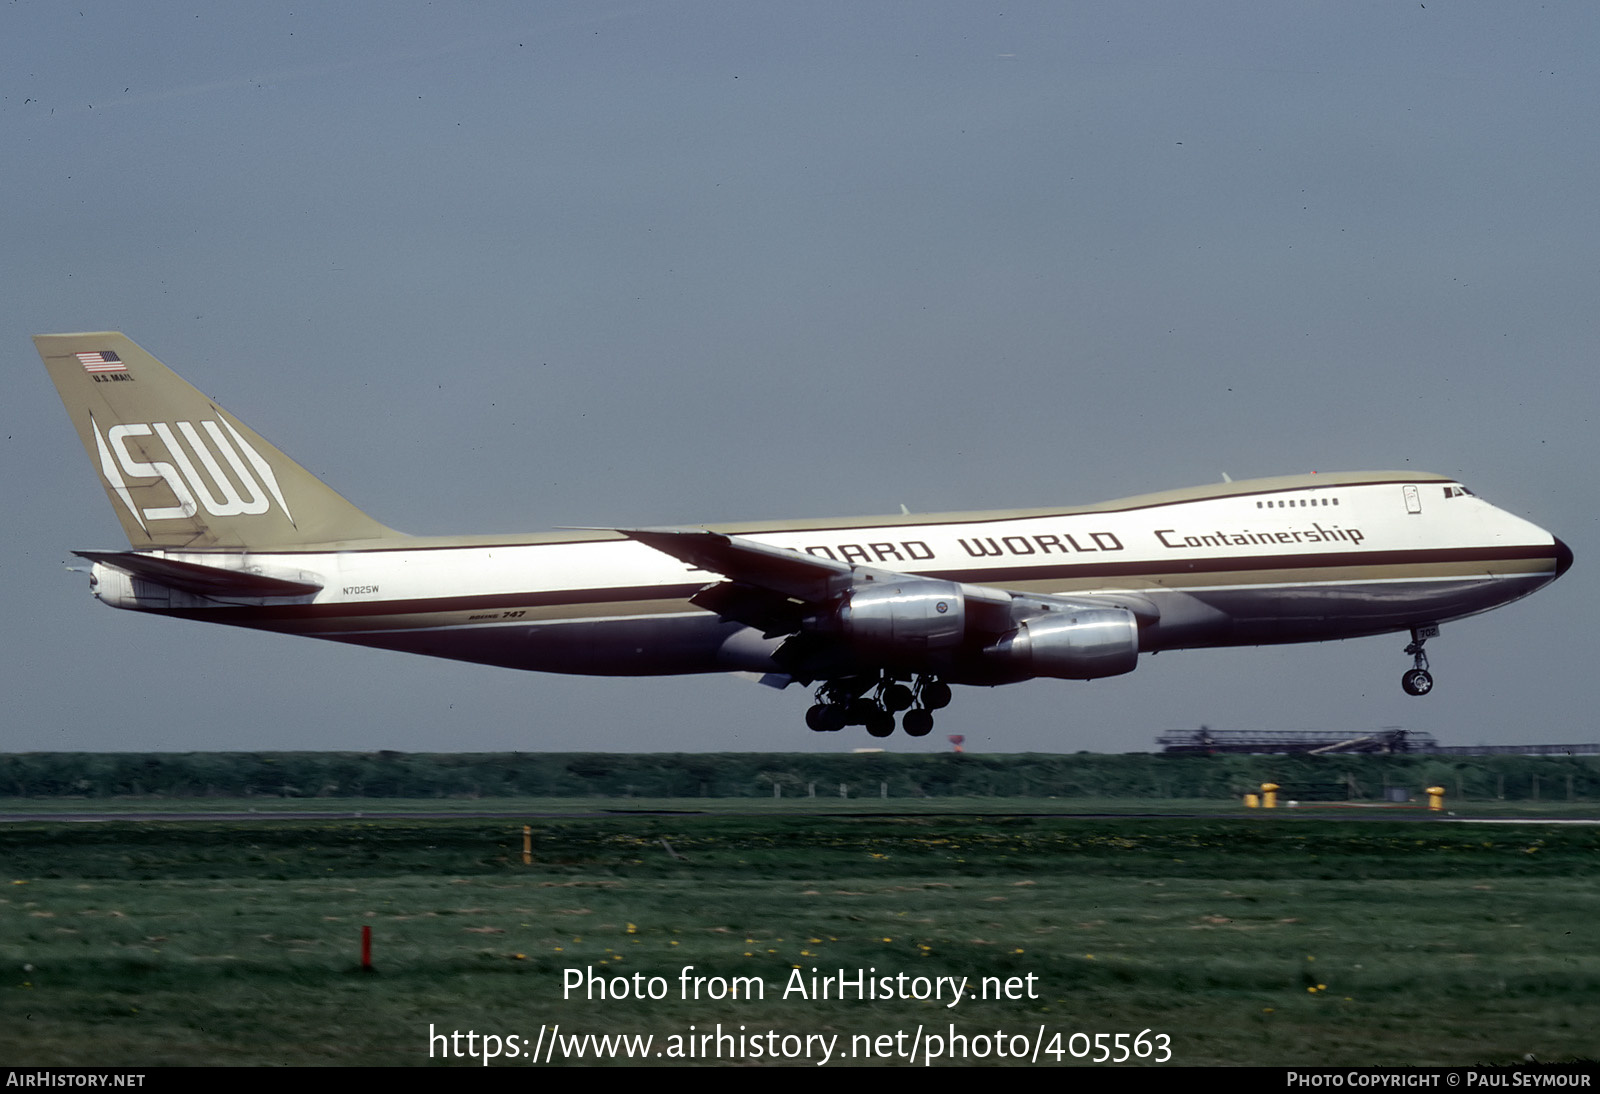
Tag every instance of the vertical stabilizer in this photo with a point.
(181, 472)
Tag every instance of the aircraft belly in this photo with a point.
(660, 645)
(1264, 615)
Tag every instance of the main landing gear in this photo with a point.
(846, 702)
(1417, 680)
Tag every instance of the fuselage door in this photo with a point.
(1413, 499)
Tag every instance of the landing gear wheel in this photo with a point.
(880, 723)
(935, 695)
(917, 723)
(1417, 682)
(861, 711)
(825, 717)
(896, 697)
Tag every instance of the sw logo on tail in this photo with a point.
(184, 482)
(880, 614)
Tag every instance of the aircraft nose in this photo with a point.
(1563, 556)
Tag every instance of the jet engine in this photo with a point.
(904, 620)
(1077, 644)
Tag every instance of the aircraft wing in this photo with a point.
(789, 573)
(771, 587)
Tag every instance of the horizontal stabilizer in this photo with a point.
(201, 580)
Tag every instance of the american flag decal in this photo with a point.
(101, 361)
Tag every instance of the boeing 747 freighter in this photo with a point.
(880, 615)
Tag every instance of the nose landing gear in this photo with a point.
(1417, 680)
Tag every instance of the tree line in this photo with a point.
(329, 775)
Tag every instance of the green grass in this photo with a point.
(538, 807)
(1260, 939)
(795, 805)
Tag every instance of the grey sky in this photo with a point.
(502, 267)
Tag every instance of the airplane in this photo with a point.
(880, 615)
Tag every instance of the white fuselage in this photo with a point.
(1234, 566)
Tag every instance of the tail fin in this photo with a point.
(221, 485)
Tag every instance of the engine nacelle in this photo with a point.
(904, 619)
(1071, 645)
